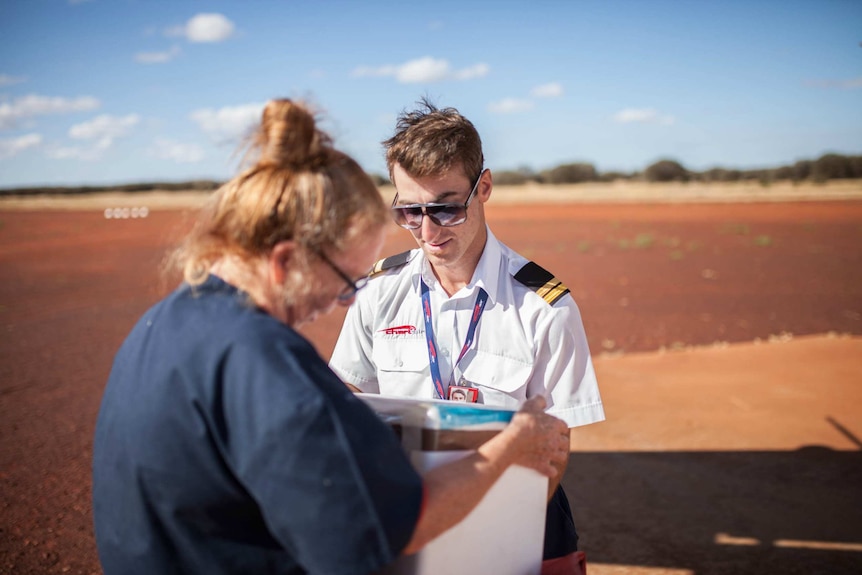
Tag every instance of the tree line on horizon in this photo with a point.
(825, 168)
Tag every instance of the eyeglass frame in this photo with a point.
(352, 288)
(423, 207)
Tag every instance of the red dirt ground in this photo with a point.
(646, 277)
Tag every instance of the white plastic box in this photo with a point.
(502, 536)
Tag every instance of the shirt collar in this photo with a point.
(486, 275)
(487, 272)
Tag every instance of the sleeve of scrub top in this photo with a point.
(332, 481)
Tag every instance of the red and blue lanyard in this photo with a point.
(478, 308)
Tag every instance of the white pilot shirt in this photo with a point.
(523, 346)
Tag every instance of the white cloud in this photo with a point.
(422, 70)
(228, 123)
(101, 131)
(642, 116)
(510, 106)
(10, 147)
(850, 84)
(158, 57)
(204, 28)
(104, 126)
(552, 90)
(179, 152)
(69, 153)
(7, 80)
(518, 105)
(35, 105)
(368, 71)
(475, 71)
(176, 31)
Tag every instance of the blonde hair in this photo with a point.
(298, 188)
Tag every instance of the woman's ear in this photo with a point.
(280, 259)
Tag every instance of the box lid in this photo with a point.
(436, 413)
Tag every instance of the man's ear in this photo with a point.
(486, 186)
(280, 259)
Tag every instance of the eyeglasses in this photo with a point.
(446, 215)
(352, 287)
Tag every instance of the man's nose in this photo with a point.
(429, 228)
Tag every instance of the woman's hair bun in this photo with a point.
(288, 136)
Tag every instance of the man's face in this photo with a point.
(456, 247)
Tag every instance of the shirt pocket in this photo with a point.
(402, 367)
(501, 380)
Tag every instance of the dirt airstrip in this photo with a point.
(727, 338)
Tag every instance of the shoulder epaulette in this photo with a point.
(542, 282)
(389, 263)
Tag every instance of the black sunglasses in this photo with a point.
(352, 286)
(446, 215)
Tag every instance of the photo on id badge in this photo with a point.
(463, 392)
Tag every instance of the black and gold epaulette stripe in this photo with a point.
(389, 263)
(542, 282)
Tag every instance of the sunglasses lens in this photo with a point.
(410, 218)
(449, 215)
(445, 215)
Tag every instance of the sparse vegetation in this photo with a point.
(195, 185)
(570, 174)
(380, 180)
(644, 240)
(666, 171)
(735, 229)
(825, 168)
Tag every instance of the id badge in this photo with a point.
(463, 393)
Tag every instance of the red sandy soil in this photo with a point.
(727, 458)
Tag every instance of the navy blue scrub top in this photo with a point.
(224, 444)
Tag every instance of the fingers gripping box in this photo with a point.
(504, 533)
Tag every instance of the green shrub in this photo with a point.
(666, 171)
(510, 178)
(571, 174)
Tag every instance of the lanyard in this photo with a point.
(478, 308)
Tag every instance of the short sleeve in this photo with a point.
(332, 482)
(564, 369)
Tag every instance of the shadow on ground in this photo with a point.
(717, 513)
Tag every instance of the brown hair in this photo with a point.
(299, 188)
(429, 141)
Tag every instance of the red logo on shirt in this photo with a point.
(400, 330)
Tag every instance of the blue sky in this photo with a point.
(117, 91)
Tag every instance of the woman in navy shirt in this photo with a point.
(224, 444)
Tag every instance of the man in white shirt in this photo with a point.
(463, 317)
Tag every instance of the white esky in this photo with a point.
(118, 91)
